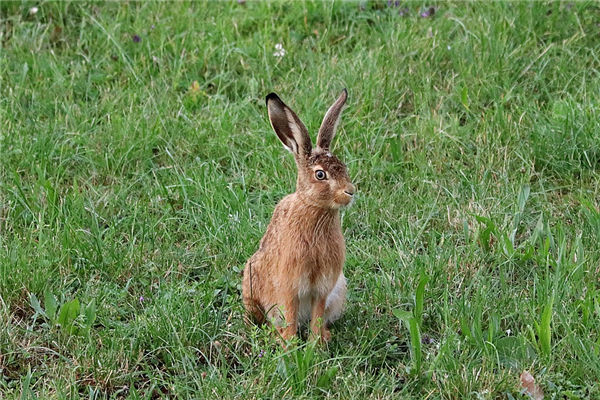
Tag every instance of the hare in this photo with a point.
(296, 274)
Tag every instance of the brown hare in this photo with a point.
(296, 274)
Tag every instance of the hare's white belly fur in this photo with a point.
(333, 304)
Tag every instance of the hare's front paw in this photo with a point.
(287, 333)
(325, 335)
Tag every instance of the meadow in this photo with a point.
(138, 172)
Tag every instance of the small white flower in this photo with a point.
(449, 48)
(279, 50)
(508, 332)
(33, 10)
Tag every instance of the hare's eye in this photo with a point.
(320, 174)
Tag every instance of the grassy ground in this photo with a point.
(130, 197)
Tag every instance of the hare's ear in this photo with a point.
(288, 127)
(330, 122)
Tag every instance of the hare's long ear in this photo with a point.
(288, 127)
(330, 122)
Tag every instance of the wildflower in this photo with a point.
(33, 10)
(279, 50)
(152, 27)
(136, 38)
(428, 13)
(427, 339)
(142, 299)
(261, 354)
(508, 332)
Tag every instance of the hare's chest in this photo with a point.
(321, 271)
(317, 283)
(321, 266)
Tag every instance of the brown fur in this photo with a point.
(296, 273)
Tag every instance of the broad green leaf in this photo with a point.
(51, 306)
(402, 315)
(545, 332)
(419, 297)
(68, 313)
(324, 380)
(415, 343)
(90, 314)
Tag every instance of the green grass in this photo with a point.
(473, 137)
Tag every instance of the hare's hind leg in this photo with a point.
(250, 295)
(254, 310)
(334, 306)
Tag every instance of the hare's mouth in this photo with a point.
(345, 199)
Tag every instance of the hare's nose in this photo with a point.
(350, 190)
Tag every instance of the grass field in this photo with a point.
(138, 171)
